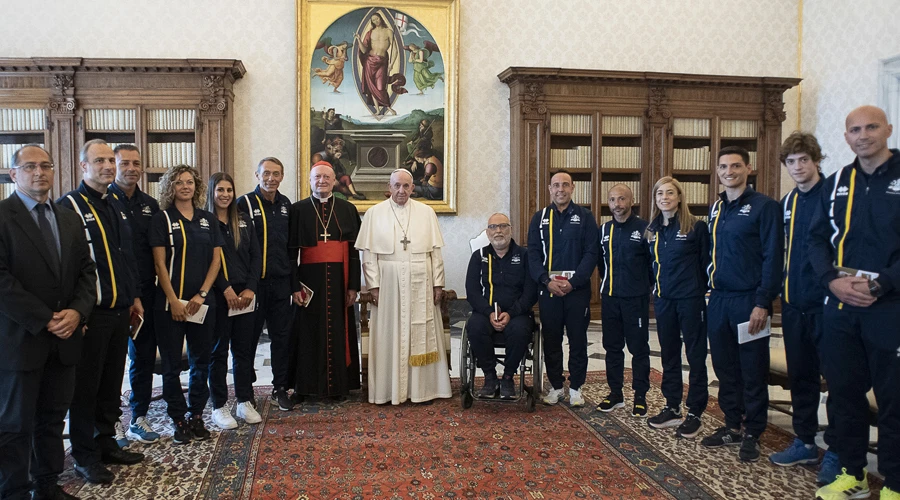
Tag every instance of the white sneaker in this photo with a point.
(248, 413)
(222, 418)
(552, 396)
(575, 398)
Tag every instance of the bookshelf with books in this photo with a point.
(609, 127)
(18, 127)
(173, 110)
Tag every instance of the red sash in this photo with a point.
(332, 252)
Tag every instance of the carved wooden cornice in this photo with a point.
(516, 74)
(230, 68)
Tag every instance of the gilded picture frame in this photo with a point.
(377, 87)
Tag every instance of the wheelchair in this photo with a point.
(531, 363)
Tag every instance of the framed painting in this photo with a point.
(377, 90)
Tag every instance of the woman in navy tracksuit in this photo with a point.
(679, 245)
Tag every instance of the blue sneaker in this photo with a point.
(796, 453)
(121, 440)
(140, 429)
(830, 468)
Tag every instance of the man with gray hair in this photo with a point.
(401, 244)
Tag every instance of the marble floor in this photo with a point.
(596, 362)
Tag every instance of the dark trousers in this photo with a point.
(142, 353)
(516, 336)
(273, 301)
(861, 350)
(98, 383)
(33, 407)
(802, 349)
(171, 335)
(678, 319)
(742, 369)
(236, 332)
(624, 321)
(571, 312)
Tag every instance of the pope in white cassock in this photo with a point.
(401, 243)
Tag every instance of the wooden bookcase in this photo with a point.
(608, 127)
(174, 110)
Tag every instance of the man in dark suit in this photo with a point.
(47, 278)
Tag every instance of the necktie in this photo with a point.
(47, 231)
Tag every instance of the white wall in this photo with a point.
(843, 43)
(738, 37)
(261, 33)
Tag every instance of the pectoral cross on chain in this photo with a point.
(405, 242)
(325, 235)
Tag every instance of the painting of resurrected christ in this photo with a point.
(363, 118)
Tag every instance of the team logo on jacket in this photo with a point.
(575, 219)
(88, 217)
(636, 236)
(257, 212)
(714, 214)
(545, 222)
(843, 191)
(176, 225)
(605, 238)
(787, 215)
(204, 223)
(745, 210)
(242, 223)
(147, 210)
(484, 259)
(894, 187)
(284, 210)
(680, 235)
(516, 259)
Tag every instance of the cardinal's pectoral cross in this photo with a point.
(325, 235)
(405, 242)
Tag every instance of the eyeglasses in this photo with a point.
(31, 167)
(502, 227)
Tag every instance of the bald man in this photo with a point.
(501, 292)
(625, 272)
(854, 249)
(323, 231)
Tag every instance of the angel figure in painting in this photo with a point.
(337, 55)
(422, 75)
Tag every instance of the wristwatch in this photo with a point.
(875, 288)
(203, 293)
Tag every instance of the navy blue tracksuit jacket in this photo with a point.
(625, 264)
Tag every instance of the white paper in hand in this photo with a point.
(198, 316)
(249, 309)
(744, 331)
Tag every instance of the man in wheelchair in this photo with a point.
(501, 292)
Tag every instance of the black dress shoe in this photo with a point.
(121, 457)
(95, 473)
(51, 492)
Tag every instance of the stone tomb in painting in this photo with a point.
(378, 152)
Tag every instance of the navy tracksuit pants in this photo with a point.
(275, 309)
(516, 336)
(861, 350)
(171, 335)
(236, 333)
(742, 369)
(677, 319)
(802, 348)
(571, 312)
(142, 353)
(625, 323)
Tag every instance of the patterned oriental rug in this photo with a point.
(354, 450)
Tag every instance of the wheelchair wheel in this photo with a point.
(537, 364)
(529, 402)
(466, 399)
